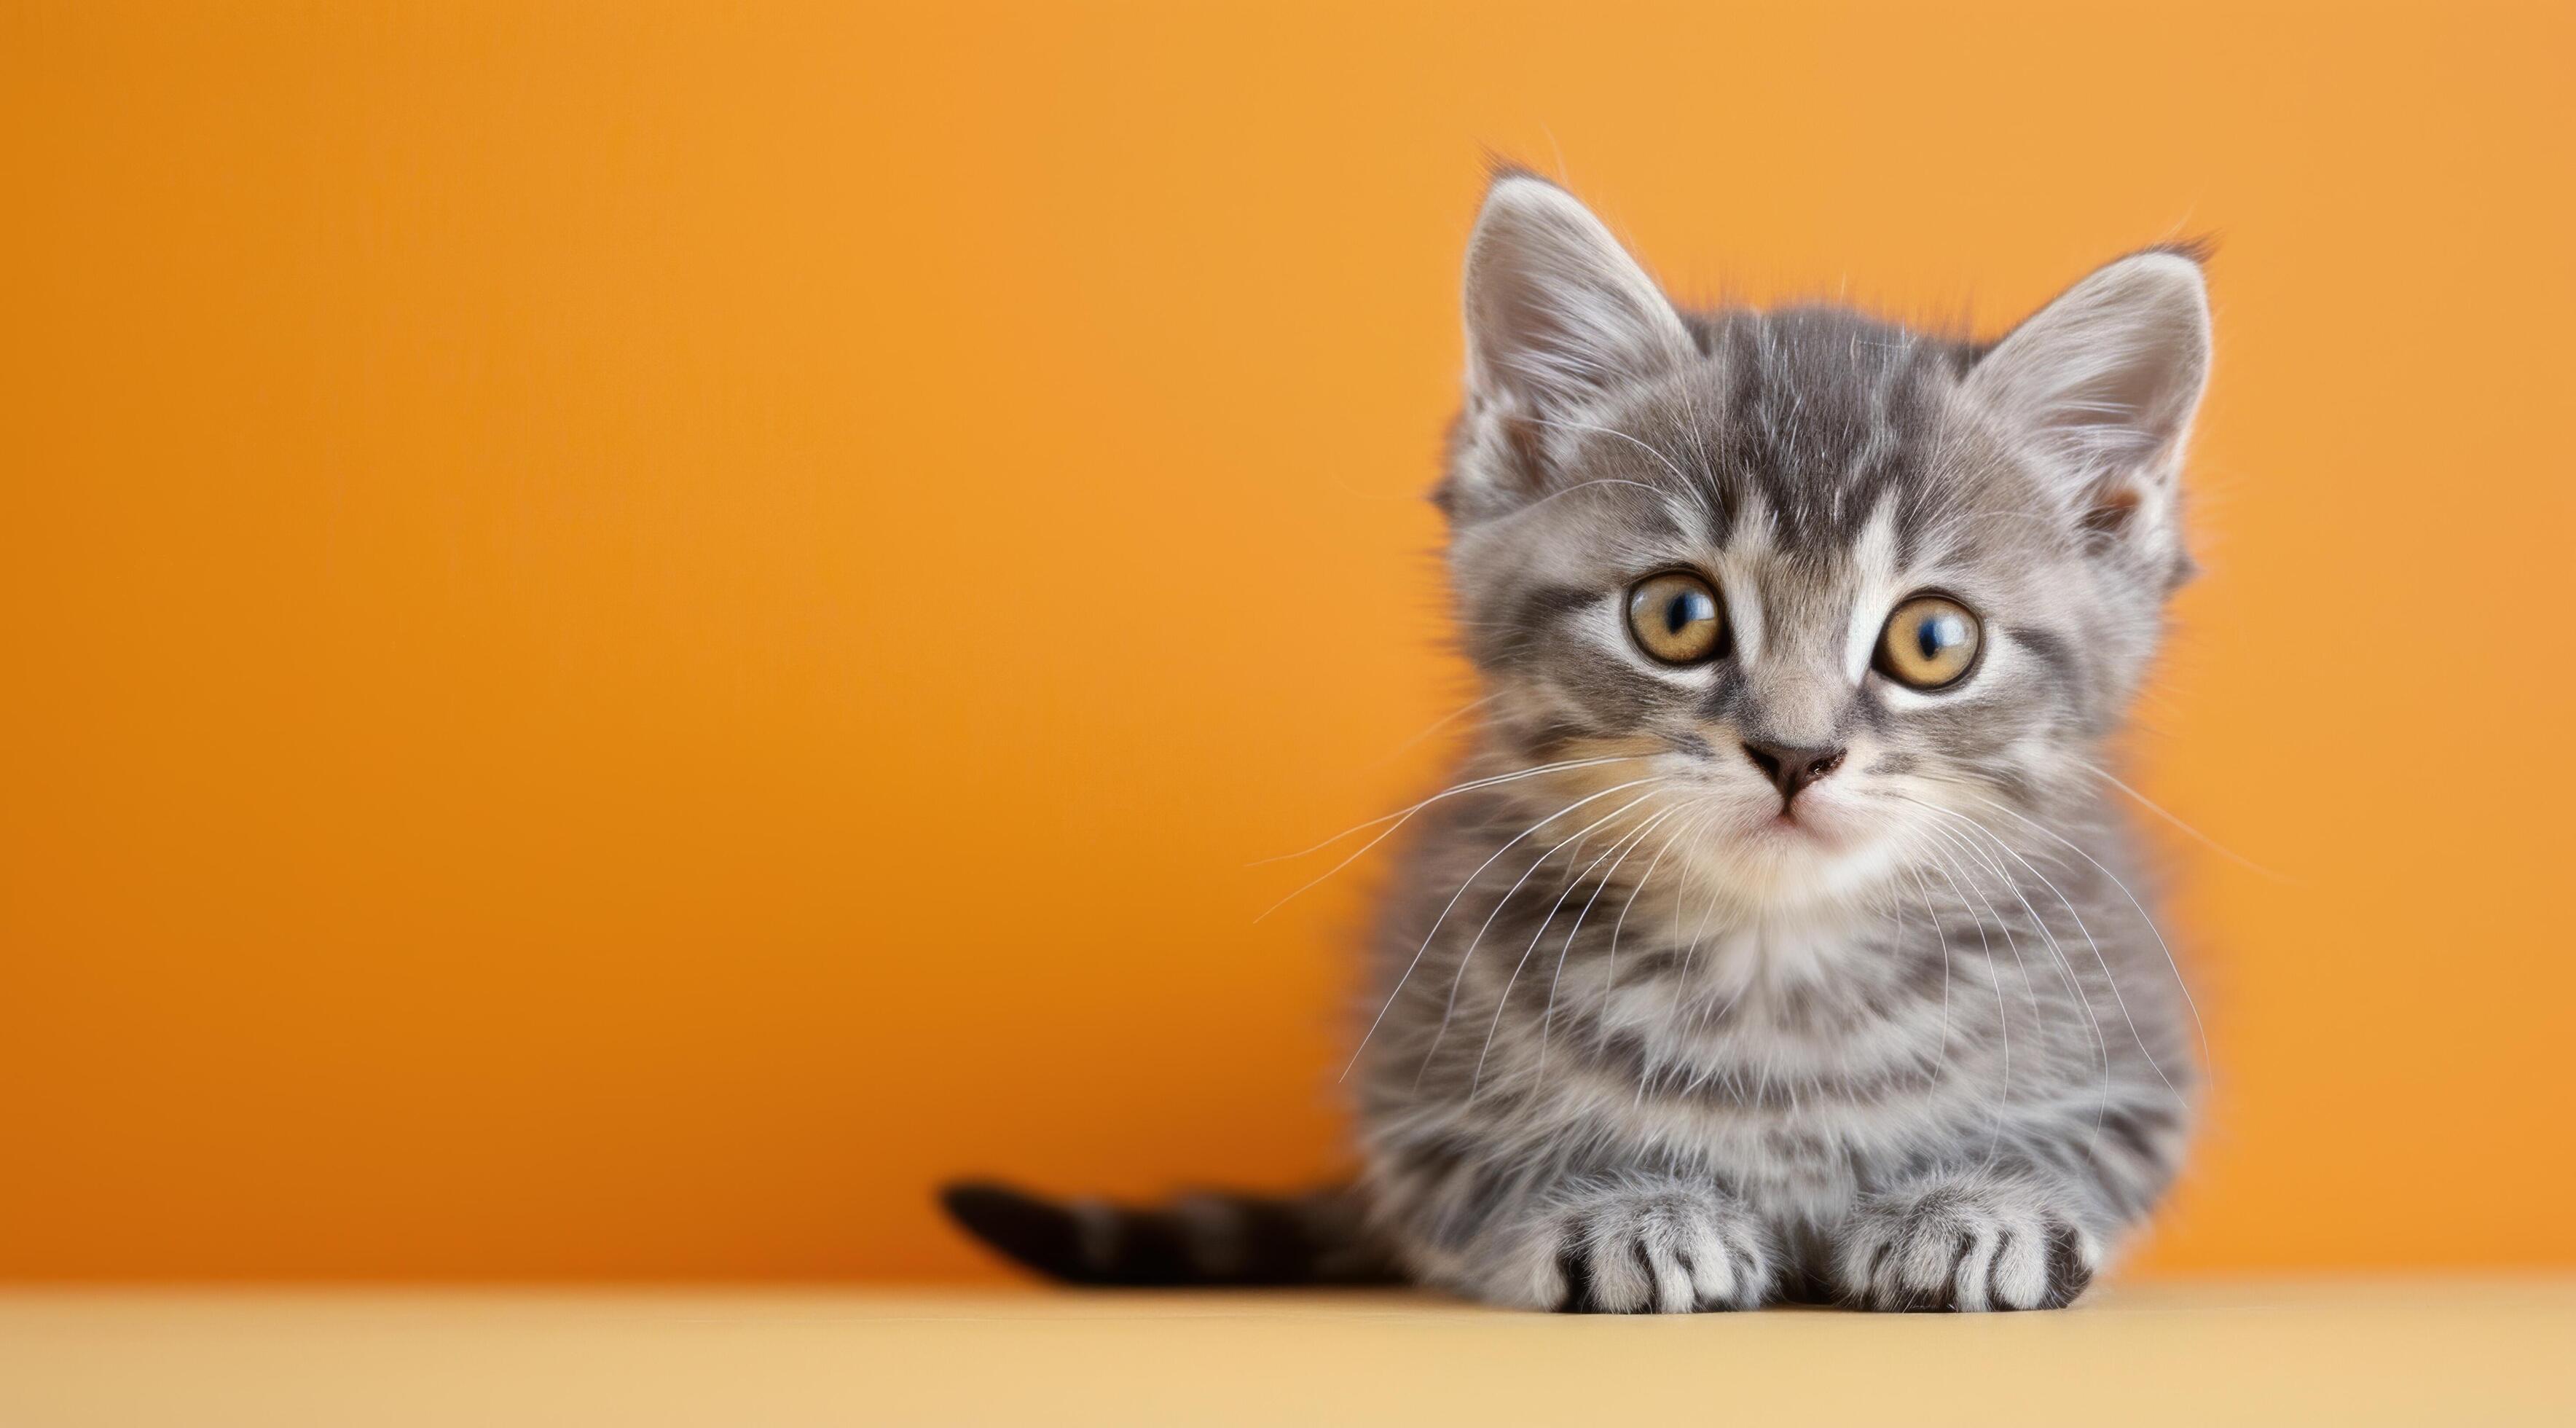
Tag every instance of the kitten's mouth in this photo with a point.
(1786, 824)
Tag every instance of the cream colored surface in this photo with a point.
(2316, 1352)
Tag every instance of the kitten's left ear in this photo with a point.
(2106, 379)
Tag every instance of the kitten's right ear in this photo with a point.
(1557, 312)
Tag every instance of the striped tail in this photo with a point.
(1196, 1240)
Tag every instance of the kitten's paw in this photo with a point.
(1965, 1244)
(1646, 1248)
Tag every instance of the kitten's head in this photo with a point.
(1816, 582)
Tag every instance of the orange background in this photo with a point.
(633, 631)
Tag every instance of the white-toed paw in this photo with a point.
(1655, 1247)
(1965, 1244)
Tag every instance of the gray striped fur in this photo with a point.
(1640, 1039)
(1640, 1050)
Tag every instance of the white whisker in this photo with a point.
(1451, 906)
(1469, 956)
(2205, 840)
(2108, 976)
(1406, 815)
(2171, 964)
(1625, 845)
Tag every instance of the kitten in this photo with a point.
(1775, 943)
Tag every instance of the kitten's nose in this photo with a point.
(1791, 769)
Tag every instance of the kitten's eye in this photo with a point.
(1676, 619)
(1931, 643)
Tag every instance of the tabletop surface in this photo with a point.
(2315, 1351)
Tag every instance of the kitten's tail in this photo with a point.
(1204, 1239)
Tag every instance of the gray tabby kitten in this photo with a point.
(1777, 942)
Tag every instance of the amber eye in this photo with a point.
(1931, 643)
(1676, 618)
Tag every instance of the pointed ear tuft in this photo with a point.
(2106, 380)
(1557, 312)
